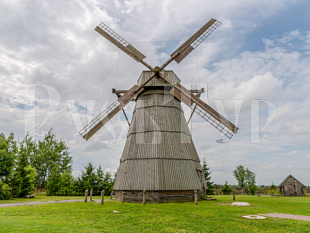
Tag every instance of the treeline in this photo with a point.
(45, 165)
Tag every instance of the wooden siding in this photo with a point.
(159, 153)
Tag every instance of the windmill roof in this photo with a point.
(168, 74)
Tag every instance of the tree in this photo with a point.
(89, 177)
(206, 172)
(24, 174)
(5, 191)
(50, 152)
(101, 182)
(53, 184)
(8, 152)
(239, 174)
(66, 184)
(250, 181)
(226, 189)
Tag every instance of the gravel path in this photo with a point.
(288, 216)
(36, 203)
(46, 202)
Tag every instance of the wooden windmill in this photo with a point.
(159, 155)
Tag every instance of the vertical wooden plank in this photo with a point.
(144, 196)
(85, 196)
(102, 197)
(234, 198)
(111, 194)
(91, 195)
(196, 196)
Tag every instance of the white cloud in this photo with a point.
(53, 43)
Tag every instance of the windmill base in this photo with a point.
(157, 196)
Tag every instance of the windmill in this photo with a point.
(159, 155)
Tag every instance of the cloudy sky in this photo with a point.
(57, 72)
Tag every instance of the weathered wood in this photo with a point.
(85, 196)
(102, 197)
(144, 196)
(291, 187)
(91, 195)
(188, 98)
(30, 196)
(196, 197)
(111, 195)
(120, 42)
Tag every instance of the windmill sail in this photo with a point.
(121, 43)
(204, 110)
(195, 40)
(99, 121)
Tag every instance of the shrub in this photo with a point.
(5, 191)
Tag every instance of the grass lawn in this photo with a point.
(208, 216)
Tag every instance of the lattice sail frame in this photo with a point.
(192, 43)
(99, 119)
(214, 122)
(119, 41)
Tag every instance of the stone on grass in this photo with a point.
(254, 217)
(240, 204)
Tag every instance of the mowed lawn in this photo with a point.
(208, 216)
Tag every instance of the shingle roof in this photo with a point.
(290, 176)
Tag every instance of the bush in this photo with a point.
(5, 191)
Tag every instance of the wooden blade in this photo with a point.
(99, 121)
(195, 40)
(204, 110)
(121, 43)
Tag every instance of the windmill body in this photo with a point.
(159, 155)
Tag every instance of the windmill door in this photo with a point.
(292, 188)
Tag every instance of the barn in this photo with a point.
(291, 187)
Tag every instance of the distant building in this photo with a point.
(291, 187)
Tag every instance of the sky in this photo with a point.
(57, 72)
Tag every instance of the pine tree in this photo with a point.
(226, 189)
(89, 177)
(206, 172)
(54, 182)
(24, 174)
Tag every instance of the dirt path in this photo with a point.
(288, 216)
(46, 202)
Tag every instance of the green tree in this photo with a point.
(5, 191)
(50, 152)
(239, 174)
(100, 180)
(226, 189)
(66, 184)
(8, 152)
(89, 177)
(24, 174)
(54, 182)
(207, 175)
(250, 181)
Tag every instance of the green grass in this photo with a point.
(208, 216)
